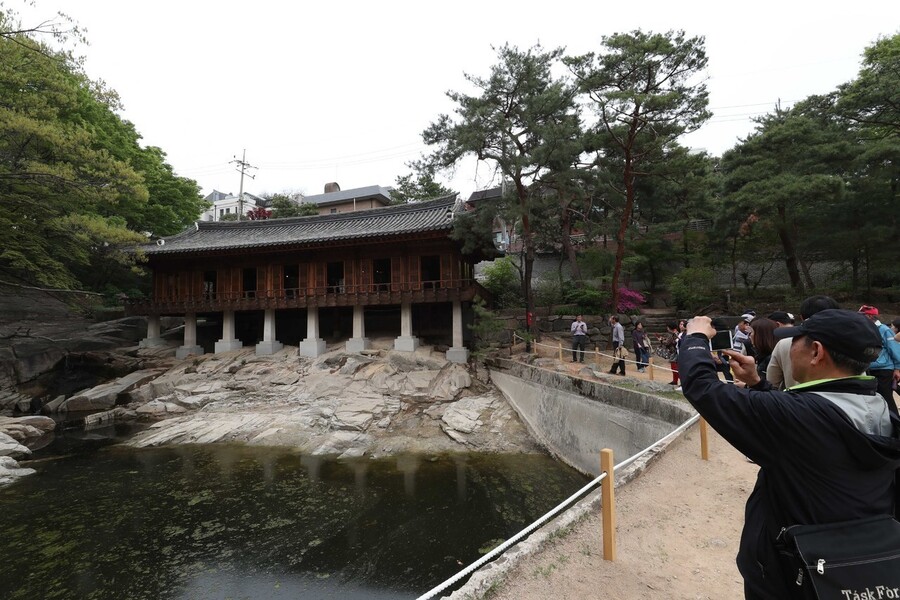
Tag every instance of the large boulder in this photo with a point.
(27, 429)
(10, 447)
(105, 396)
(10, 470)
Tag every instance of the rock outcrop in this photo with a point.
(376, 404)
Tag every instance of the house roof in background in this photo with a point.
(371, 192)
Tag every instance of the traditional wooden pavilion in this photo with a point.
(398, 258)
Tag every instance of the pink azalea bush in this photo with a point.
(629, 300)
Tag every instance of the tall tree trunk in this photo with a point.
(528, 240)
(565, 231)
(807, 276)
(790, 251)
(854, 267)
(623, 227)
(684, 245)
(734, 262)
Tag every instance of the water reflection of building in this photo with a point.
(394, 268)
(408, 465)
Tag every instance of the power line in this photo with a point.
(243, 165)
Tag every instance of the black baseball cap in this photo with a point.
(782, 317)
(850, 333)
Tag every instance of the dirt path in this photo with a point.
(678, 529)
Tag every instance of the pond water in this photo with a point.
(217, 522)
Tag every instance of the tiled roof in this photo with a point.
(485, 194)
(431, 215)
(364, 193)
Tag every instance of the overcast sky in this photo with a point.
(341, 91)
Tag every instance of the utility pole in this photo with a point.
(242, 165)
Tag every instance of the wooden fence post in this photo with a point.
(650, 366)
(560, 352)
(608, 500)
(704, 439)
(597, 356)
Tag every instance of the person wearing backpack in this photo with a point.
(828, 448)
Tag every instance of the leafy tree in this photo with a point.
(74, 179)
(523, 122)
(418, 185)
(644, 93)
(793, 165)
(871, 99)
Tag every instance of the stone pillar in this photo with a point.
(228, 343)
(457, 353)
(313, 345)
(268, 345)
(407, 342)
(190, 346)
(359, 341)
(153, 338)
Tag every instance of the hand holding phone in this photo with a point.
(723, 340)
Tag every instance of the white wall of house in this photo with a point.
(225, 206)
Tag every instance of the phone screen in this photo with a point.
(721, 341)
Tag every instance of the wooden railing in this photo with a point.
(442, 290)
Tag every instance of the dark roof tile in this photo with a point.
(432, 215)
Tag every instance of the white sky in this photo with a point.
(341, 91)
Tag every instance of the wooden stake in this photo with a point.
(560, 352)
(597, 356)
(608, 500)
(650, 365)
(704, 439)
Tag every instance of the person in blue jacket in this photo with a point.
(886, 368)
(828, 448)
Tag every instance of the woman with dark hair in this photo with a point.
(763, 339)
(667, 348)
(895, 327)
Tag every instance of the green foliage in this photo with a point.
(418, 185)
(487, 328)
(74, 179)
(503, 280)
(524, 123)
(283, 205)
(693, 288)
(589, 301)
(596, 263)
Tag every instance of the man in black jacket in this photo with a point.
(828, 449)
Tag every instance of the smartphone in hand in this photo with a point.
(723, 340)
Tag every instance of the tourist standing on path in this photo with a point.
(618, 340)
(886, 368)
(579, 338)
(779, 372)
(668, 349)
(641, 342)
(828, 449)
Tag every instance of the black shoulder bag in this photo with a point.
(851, 560)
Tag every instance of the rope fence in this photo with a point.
(596, 351)
(607, 504)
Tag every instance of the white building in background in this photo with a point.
(228, 204)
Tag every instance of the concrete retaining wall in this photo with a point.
(575, 418)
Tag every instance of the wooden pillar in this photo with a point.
(608, 500)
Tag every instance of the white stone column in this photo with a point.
(313, 345)
(190, 338)
(359, 341)
(153, 337)
(457, 353)
(268, 345)
(228, 343)
(407, 342)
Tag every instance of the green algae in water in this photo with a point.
(204, 522)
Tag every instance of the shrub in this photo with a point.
(693, 287)
(630, 300)
(502, 280)
(589, 301)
